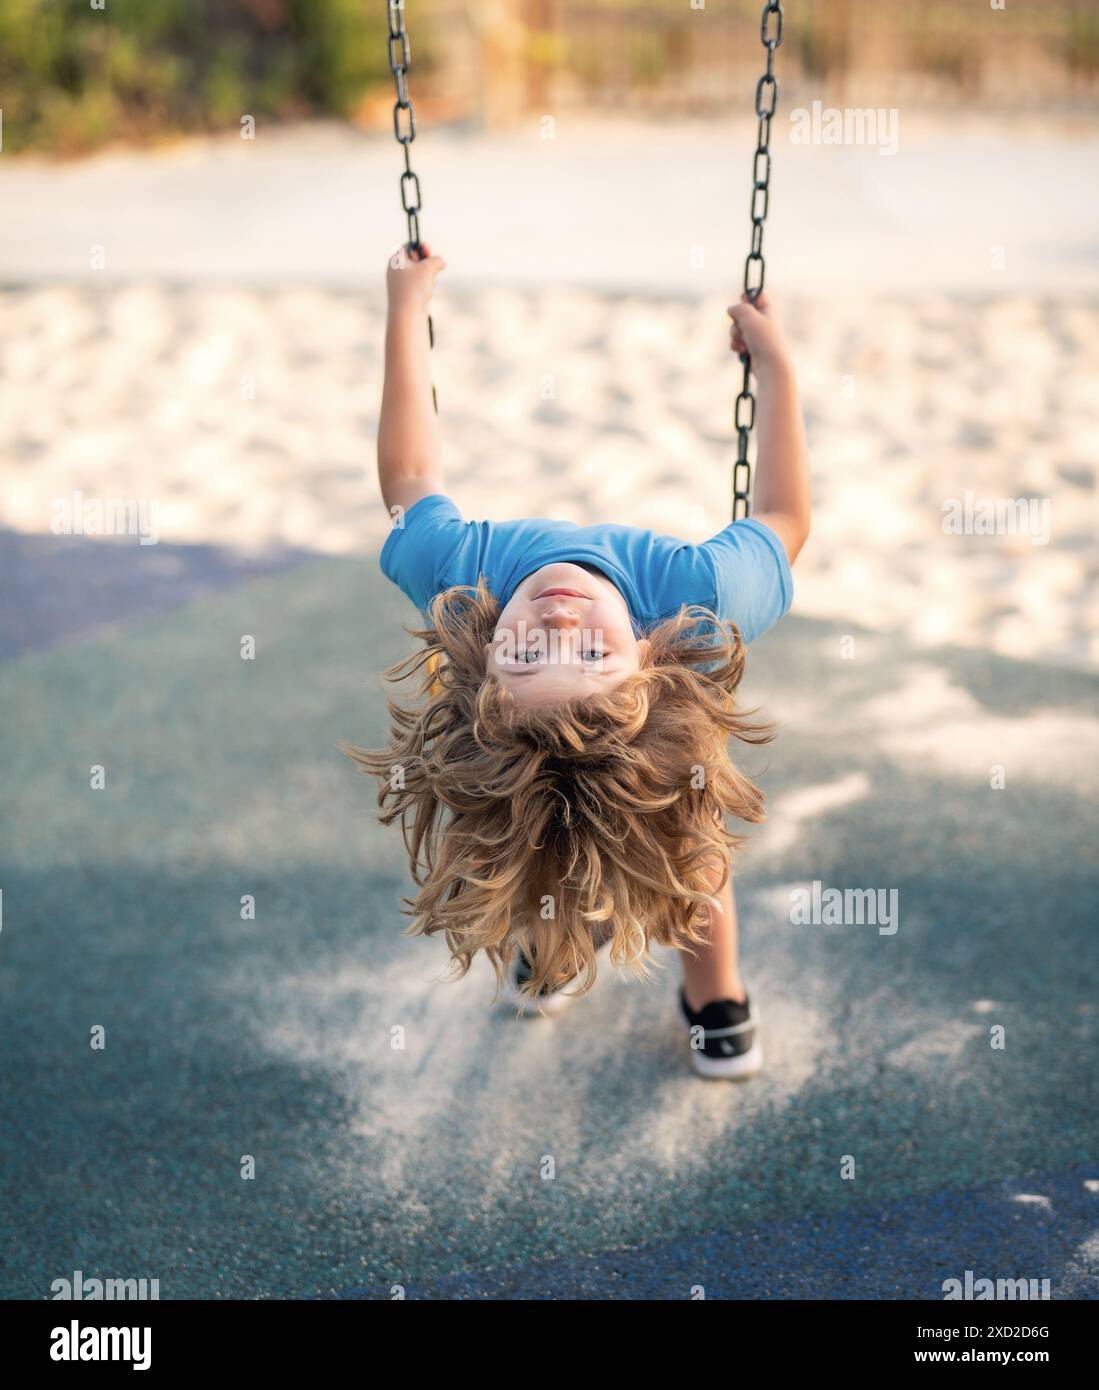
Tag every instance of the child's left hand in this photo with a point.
(410, 279)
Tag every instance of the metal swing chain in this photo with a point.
(404, 129)
(766, 100)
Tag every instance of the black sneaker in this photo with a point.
(724, 1039)
(548, 1001)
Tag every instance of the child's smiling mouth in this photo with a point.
(568, 593)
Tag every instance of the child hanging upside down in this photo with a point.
(564, 777)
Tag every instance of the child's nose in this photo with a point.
(562, 617)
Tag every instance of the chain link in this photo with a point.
(744, 412)
(404, 130)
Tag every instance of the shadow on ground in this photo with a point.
(61, 587)
(424, 1165)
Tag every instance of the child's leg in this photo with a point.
(710, 971)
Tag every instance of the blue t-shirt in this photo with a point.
(742, 573)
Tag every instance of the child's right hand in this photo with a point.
(410, 279)
(755, 330)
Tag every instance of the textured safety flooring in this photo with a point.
(426, 1166)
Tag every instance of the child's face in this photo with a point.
(565, 634)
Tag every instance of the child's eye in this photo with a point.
(592, 655)
(529, 656)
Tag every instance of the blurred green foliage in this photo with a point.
(72, 76)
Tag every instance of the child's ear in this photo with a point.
(644, 647)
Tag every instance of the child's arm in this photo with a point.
(409, 447)
(780, 496)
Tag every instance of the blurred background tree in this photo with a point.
(73, 77)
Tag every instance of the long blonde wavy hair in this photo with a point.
(551, 828)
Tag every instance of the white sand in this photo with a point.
(138, 392)
(927, 371)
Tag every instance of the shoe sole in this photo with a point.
(729, 1068)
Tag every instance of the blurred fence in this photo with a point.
(73, 77)
(669, 56)
(506, 58)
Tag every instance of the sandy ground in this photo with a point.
(245, 417)
(223, 363)
(424, 1164)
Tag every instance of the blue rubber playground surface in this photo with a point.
(888, 1146)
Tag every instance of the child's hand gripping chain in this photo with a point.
(410, 279)
(781, 497)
